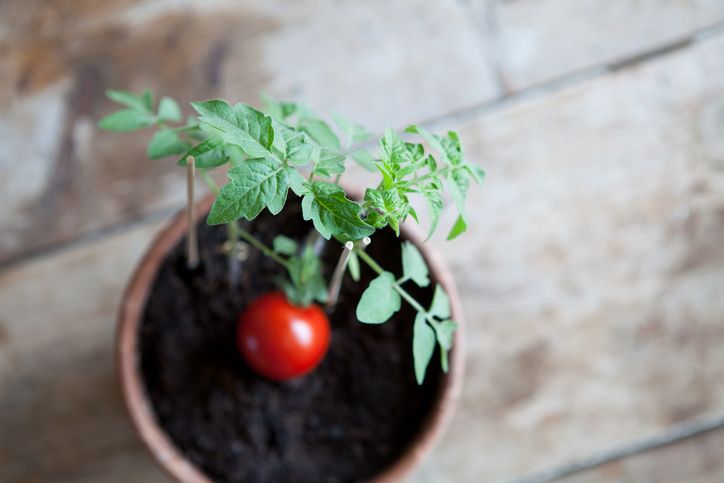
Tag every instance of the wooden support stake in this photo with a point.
(192, 243)
(336, 283)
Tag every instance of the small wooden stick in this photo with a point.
(336, 283)
(192, 244)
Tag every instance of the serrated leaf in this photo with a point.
(285, 245)
(253, 185)
(379, 301)
(435, 206)
(423, 346)
(459, 183)
(440, 306)
(207, 154)
(353, 132)
(320, 132)
(297, 149)
(458, 228)
(296, 181)
(166, 143)
(242, 125)
(169, 110)
(126, 120)
(353, 266)
(364, 159)
(140, 102)
(392, 147)
(278, 109)
(329, 163)
(476, 171)
(332, 213)
(445, 333)
(413, 265)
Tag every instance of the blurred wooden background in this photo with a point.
(593, 279)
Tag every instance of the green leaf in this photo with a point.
(279, 109)
(449, 146)
(126, 120)
(242, 125)
(364, 159)
(139, 102)
(296, 181)
(435, 206)
(445, 333)
(386, 206)
(353, 132)
(297, 149)
(332, 213)
(168, 110)
(320, 132)
(329, 163)
(458, 228)
(166, 143)
(253, 185)
(476, 171)
(440, 306)
(423, 346)
(353, 266)
(285, 245)
(307, 283)
(379, 301)
(459, 183)
(413, 265)
(207, 154)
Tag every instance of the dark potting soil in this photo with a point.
(345, 422)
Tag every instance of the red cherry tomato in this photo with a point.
(280, 340)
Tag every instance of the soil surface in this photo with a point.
(345, 422)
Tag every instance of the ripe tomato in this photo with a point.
(280, 340)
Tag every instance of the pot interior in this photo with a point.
(347, 421)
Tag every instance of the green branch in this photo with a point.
(398, 288)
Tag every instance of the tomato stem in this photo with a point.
(379, 270)
(235, 231)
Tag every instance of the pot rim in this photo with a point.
(139, 407)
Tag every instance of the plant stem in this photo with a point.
(209, 181)
(259, 245)
(439, 172)
(403, 293)
(235, 231)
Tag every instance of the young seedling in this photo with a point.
(286, 147)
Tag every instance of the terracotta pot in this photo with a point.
(141, 412)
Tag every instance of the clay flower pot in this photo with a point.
(141, 411)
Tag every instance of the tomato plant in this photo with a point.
(280, 340)
(287, 151)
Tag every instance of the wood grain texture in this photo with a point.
(388, 63)
(540, 40)
(592, 276)
(61, 413)
(695, 460)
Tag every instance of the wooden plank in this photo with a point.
(61, 413)
(387, 63)
(694, 460)
(540, 40)
(591, 279)
(593, 273)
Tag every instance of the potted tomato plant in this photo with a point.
(289, 337)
